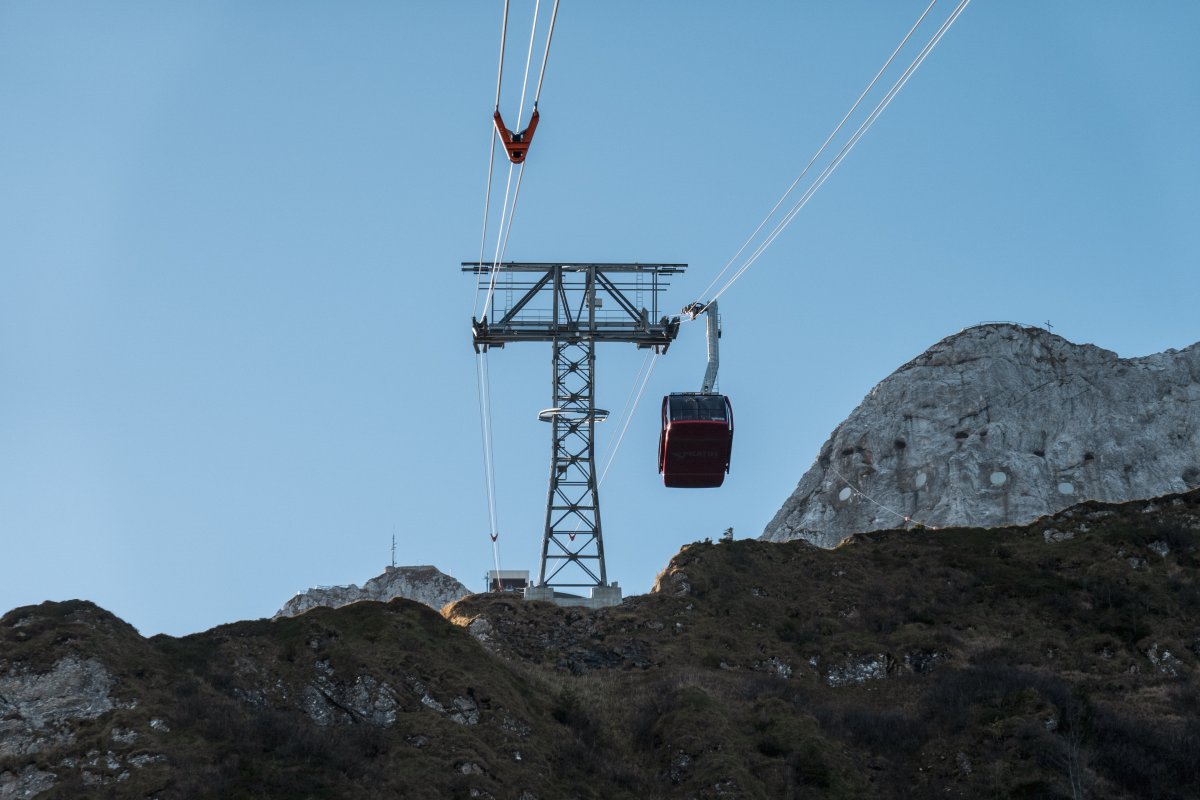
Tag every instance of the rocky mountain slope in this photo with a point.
(1053, 660)
(998, 425)
(424, 584)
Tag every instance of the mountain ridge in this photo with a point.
(1042, 660)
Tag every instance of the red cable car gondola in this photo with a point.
(696, 440)
(697, 427)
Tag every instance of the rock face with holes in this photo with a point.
(998, 425)
(424, 584)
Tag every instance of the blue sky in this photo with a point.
(234, 343)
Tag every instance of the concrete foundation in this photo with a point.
(601, 597)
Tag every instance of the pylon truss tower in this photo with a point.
(573, 306)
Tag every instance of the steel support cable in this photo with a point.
(629, 418)
(854, 139)
(496, 557)
(487, 202)
(626, 413)
(485, 429)
(637, 377)
(506, 217)
(866, 125)
(626, 416)
(507, 214)
(905, 517)
(858, 134)
(485, 394)
(528, 60)
(492, 157)
(508, 228)
(487, 198)
(821, 149)
(483, 381)
(500, 239)
(546, 55)
(487, 388)
(503, 37)
(487, 385)
(485, 377)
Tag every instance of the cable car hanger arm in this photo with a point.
(713, 331)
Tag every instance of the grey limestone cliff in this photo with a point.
(424, 584)
(998, 425)
(36, 709)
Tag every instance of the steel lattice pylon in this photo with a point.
(588, 303)
(573, 539)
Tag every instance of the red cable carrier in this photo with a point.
(516, 144)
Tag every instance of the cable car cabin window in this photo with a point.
(704, 407)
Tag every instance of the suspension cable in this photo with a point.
(508, 227)
(612, 456)
(487, 196)
(858, 134)
(503, 37)
(505, 218)
(487, 389)
(482, 377)
(822, 148)
(507, 214)
(528, 60)
(546, 55)
(854, 139)
(502, 241)
(906, 518)
(483, 385)
(627, 411)
(485, 426)
(487, 202)
(485, 405)
(633, 387)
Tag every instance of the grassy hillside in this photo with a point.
(1057, 660)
